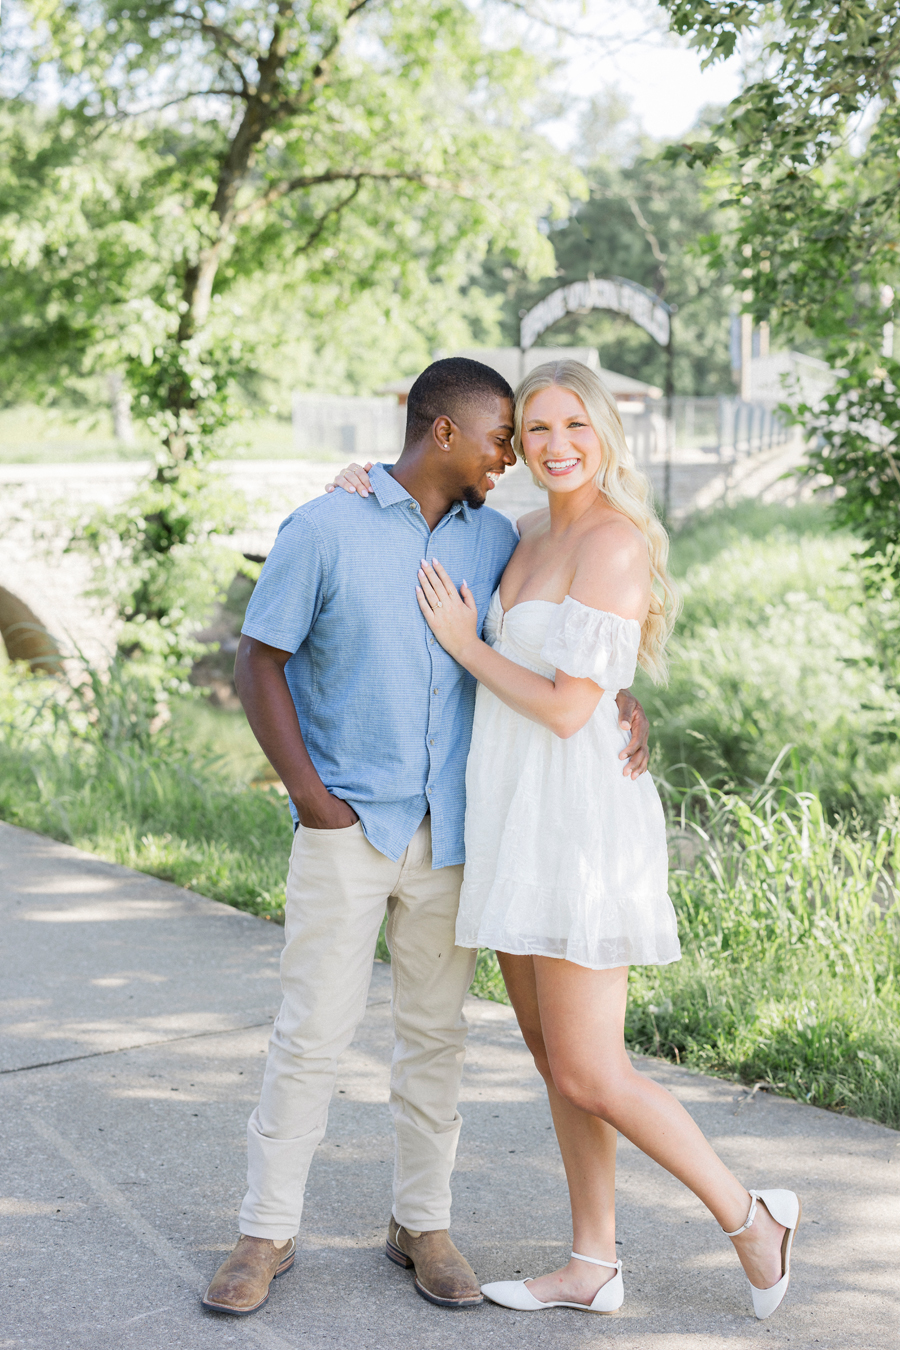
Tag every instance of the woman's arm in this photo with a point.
(564, 705)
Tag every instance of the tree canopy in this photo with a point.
(368, 145)
(180, 176)
(806, 156)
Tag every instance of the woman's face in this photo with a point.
(561, 448)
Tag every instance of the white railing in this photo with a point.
(718, 430)
(728, 427)
(722, 429)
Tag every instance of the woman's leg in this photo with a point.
(588, 1148)
(582, 1014)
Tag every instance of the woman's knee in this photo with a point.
(598, 1093)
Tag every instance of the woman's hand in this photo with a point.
(355, 478)
(450, 614)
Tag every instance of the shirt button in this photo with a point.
(435, 691)
(431, 641)
(431, 742)
(413, 506)
(428, 790)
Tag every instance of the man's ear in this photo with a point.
(442, 429)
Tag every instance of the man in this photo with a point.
(367, 721)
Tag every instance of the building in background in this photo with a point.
(331, 426)
(328, 426)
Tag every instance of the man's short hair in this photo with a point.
(449, 388)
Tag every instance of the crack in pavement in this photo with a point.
(117, 1204)
(139, 1045)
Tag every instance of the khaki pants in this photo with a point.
(337, 890)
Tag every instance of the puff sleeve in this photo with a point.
(592, 644)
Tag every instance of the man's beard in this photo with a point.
(473, 498)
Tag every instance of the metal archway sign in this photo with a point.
(615, 293)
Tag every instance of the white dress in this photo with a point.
(565, 856)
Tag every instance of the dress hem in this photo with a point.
(476, 945)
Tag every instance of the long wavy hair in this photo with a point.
(624, 487)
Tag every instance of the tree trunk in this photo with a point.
(120, 406)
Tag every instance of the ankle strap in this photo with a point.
(754, 1196)
(613, 1265)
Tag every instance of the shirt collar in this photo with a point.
(388, 492)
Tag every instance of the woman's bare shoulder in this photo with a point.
(532, 520)
(615, 534)
(613, 568)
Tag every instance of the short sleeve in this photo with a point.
(592, 644)
(288, 596)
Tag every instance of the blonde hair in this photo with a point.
(626, 490)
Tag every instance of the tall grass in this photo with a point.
(790, 927)
(776, 646)
(786, 899)
(146, 800)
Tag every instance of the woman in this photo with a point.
(566, 858)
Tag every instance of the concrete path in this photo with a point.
(135, 1024)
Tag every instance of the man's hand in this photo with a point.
(633, 718)
(263, 689)
(326, 813)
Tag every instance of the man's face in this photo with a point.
(482, 449)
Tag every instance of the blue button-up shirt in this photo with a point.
(385, 713)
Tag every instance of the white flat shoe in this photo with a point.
(516, 1294)
(784, 1207)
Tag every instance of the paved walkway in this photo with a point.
(135, 1024)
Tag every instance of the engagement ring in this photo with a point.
(439, 603)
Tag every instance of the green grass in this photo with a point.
(209, 733)
(30, 435)
(776, 648)
(790, 932)
(170, 808)
(790, 929)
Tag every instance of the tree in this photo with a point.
(807, 159)
(327, 143)
(359, 146)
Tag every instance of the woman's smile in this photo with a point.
(559, 467)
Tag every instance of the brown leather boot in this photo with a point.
(241, 1284)
(443, 1275)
